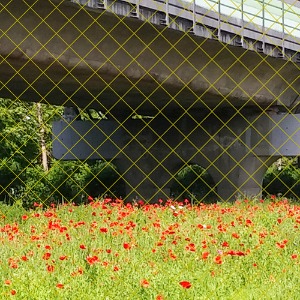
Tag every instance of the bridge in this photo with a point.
(218, 80)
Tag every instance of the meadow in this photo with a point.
(248, 249)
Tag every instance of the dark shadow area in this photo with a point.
(194, 183)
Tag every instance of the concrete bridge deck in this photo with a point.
(63, 53)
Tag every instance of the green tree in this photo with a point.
(194, 183)
(283, 177)
(20, 143)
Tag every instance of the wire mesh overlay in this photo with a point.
(162, 98)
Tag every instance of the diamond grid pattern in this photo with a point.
(135, 84)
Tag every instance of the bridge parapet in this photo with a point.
(266, 27)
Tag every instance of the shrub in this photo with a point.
(194, 183)
(104, 179)
(283, 179)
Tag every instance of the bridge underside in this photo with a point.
(60, 53)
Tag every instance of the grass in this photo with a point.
(242, 250)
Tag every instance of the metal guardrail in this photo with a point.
(273, 22)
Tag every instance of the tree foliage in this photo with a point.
(22, 177)
(283, 178)
(193, 182)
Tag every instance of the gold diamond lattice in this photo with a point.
(149, 99)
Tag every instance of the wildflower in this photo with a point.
(82, 246)
(294, 256)
(218, 260)
(205, 255)
(60, 286)
(13, 292)
(50, 268)
(46, 255)
(126, 246)
(225, 244)
(185, 284)
(7, 282)
(24, 217)
(92, 259)
(144, 283)
(200, 226)
(63, 257)
(282, 244)
(191, 247)
(141, 202)
(90, 198)
(235, 235)
(249, 223)
(79, 271)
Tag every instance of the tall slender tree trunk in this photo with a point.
(42, 137)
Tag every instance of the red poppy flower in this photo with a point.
(13, 292)
(46, 255)
(92, 259)
(144, 283)
(225, 244)
(50, 268)
(82, 246)
(185, 284)
(235, 235)
(218, 260)
(205, 255)
(126, 246)
(60, 286)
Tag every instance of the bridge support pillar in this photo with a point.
(235, 149)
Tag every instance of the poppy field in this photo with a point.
(248, 249)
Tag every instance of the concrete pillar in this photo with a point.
(147, 157)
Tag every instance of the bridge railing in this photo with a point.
(276, 15)
(271, 22)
